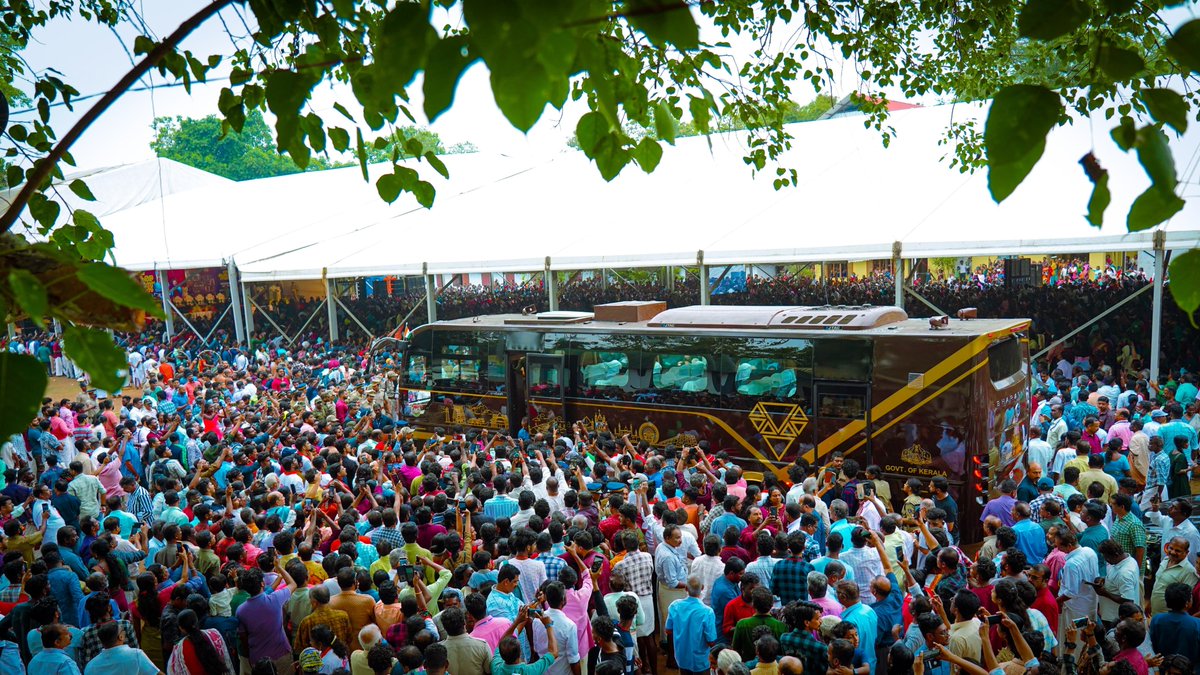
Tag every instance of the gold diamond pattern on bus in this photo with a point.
(779, 423)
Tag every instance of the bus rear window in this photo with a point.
(1004, 360)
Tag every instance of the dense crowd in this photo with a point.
(1065, 302)
(267, 511)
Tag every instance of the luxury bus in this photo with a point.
(769, 385)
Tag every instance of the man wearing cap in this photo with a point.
(1157, 417)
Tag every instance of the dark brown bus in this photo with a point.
(768, 385)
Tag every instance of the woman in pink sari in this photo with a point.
(200, 652)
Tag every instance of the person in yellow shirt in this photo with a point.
(25, 543)
(1082, 452)
(1095, 474)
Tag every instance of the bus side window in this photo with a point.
(684, 373)
(765, 377)
(604, 369)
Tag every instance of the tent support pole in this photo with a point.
(307, 321)
(551, 286)
(185, 319)
(431, 294)
(351, 315)
(705, 291)
(1160, 274)
(1089, 322)
(218, 323)
(290, 339)
(235, 301)
(331, 308)
(724, 273)
(927, 303)
(248, 305)
(898, 273)
(670, 278)
(170, 319)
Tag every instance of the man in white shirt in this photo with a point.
(1176, 522)
(565, 632)
(1058, 426)
(709, 567)
(1122, 581)
(1038, 451)
(863, 560)
(1077, 595)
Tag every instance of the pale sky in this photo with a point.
(97, 58)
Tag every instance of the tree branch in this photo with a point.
(45, 166)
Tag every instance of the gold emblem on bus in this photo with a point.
(916, 455)
(779, 423)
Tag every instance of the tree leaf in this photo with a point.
(29, 293)
(611, 156)
(1185, 283)
(589, 130)
(1167, 106)
(437, 164)
(82, 191)
(1003, 179)
(521, 88)
(340, 138)
(94, 351)
(1049, 19)
(1154, 154)
(1125, 134)
(1121, 64)
(425, 193)
(447, 61)
(665, 124)
(664, 22)
(1152, 207)
(23, 382)
(647, 153)
(115, 284)
(389, 187)
(1184, 45)
(1015, 134)
(1101, 197)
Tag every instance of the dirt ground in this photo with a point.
(66, 387)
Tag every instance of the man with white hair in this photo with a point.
(368, 637)
(692, 628)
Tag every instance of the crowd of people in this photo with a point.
(266, 512)
(1071, 295)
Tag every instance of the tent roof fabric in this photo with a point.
(121, 187)
(855, 198)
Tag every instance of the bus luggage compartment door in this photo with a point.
(547, 385)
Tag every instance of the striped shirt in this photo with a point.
(140, 505)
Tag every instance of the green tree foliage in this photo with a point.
(204, 144)
(401, 145)
(632, 64)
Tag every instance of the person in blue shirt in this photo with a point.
(53, 659)
(1116, 464)
(727, 587)
(64, 585)
(68, 544)
(728, 519)
(693, 627)
(1175, 631)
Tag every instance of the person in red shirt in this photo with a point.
(732, 549)
(1044, 602)
(740, 607)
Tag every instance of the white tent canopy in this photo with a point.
(855, 198)
(122, 187)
